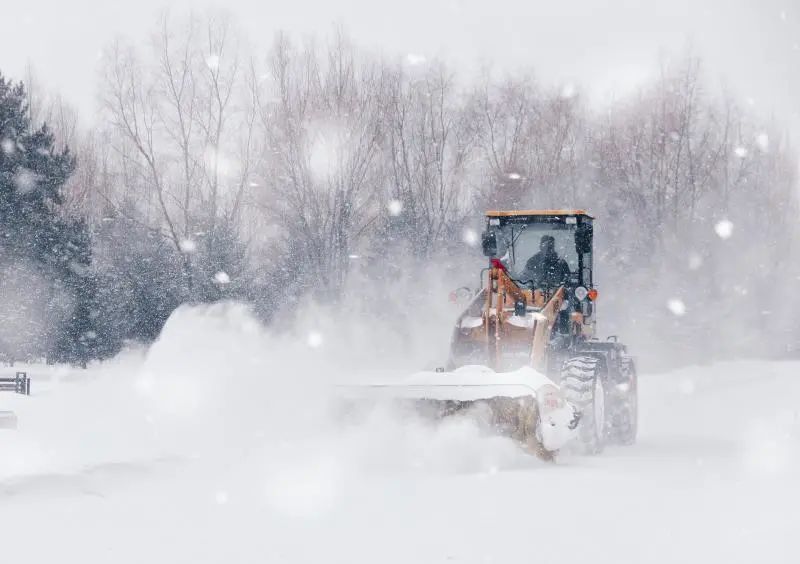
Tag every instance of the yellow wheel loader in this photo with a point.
(524, 359)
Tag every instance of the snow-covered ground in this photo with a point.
(211, 447)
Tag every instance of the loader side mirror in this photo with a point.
(489, 243)
(583, 238)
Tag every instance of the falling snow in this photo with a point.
(415, 60)
(213, 439)
(470, 237)
(7, 146)
(395, 207)
(568, 91)
(25, 180)
(739, 289)
(676, 306)
(314, 339)
(188, 246)
(724, 229)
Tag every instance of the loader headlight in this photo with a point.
(581, 293)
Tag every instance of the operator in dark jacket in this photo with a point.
(546, 269)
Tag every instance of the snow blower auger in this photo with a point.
(523, 358)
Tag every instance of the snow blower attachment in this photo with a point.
(524, 360)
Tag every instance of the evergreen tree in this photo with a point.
(139, 280)
(36, 237)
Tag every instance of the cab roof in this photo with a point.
(523, 213)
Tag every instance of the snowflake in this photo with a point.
(25, 180)
(762, 140)
(415, 60)
(8, 146)
(724, 229)
(222, 277)
(740, 152)
(741, 290)
(676, 306)
(514, 176)
(212, 61)
(395, 207)
(470, 237)
(187, 246)
(314, 339)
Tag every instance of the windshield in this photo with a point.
(526, 240)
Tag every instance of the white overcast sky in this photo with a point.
(752, 46)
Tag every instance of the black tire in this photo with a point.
(583, 385)
(625, 421)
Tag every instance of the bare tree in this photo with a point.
(320, 118)
(532, 143)
(430, 143)
(183, 124)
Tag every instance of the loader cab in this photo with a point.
(513, 237)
